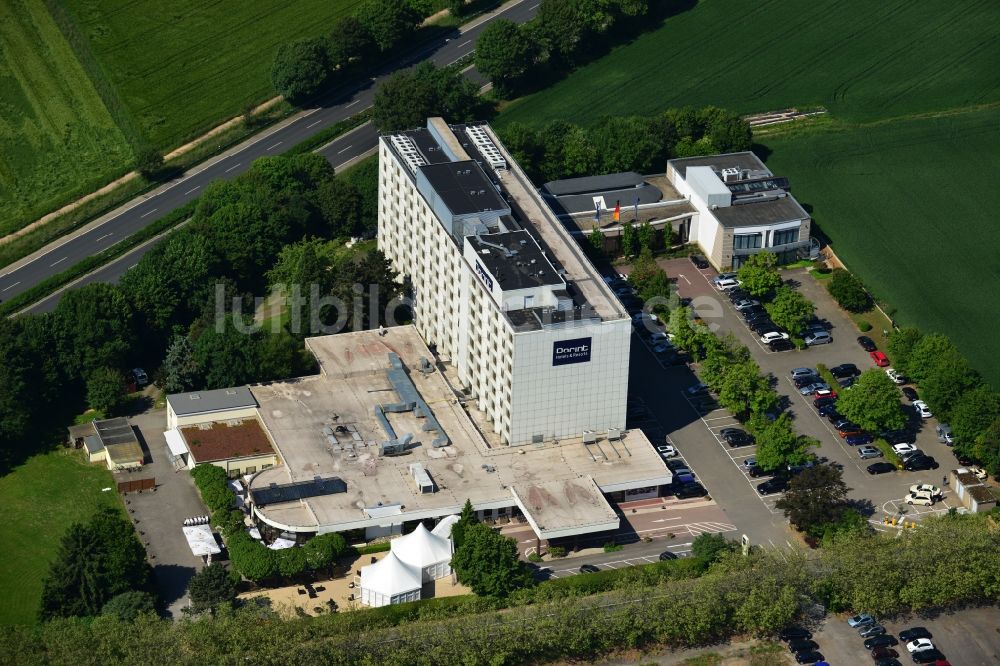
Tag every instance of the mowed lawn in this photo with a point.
(862, 60)
(181, 67)
(56, 136)
(40, 500)
(911, 207)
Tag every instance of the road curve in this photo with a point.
(146, 209)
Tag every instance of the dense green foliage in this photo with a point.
(105, 390)
(211, 589)
(847, 290)
(759, 274)
(300, 68)
(488, 562)
(790, 310)
(816, 499)
(408, 98)
(128, 606)
(561, 149)
(96, 561)
(872, 402)
(950, 560)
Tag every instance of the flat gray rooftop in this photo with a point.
(464, 187)
(760, 213)
(744, 160)
(522, 266)
(198, 402)
(325, 426)
(566, 507)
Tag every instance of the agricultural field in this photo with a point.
(57, 138)
(911, 207)
(181, 67)
(862, 60)
(41, 499)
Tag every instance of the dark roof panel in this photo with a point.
(595, 184)
(519, 265)
(463, 187)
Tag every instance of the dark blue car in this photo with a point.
(857, 440)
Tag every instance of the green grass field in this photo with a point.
(56, 136)
(40, 500)
(911, 207)
(862, 60)
(182, 67)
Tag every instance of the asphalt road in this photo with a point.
(145, 210)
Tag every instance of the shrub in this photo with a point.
(848, 291)
(300, 69)
(557, 551)
(611, 547)
(534, 557)
(864, 326)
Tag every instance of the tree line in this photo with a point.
(948, 561)
(164, 308)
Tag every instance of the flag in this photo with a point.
(618, 211)
(597, 214)
(637, 209)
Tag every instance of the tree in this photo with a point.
(105, 390)
(299, 267)
(680, 325)
(389, 22)
(465, 520)
(646, 236)
(790, 310)
(744, 390)
(900, 347)
(488, 562)
(211, 589)
(149, 163)
(291, 561)
(504, 55)
(408, 98)
(629, 244)
(342, 207)
(759, 273)
(128, 606)
(816, 497)
(596, 241)
(872, 402)
(848, 291)
(974, 412)
(180, 370)
(323, 550)
(628, 143)
(94, 328)
(778, 445)
(985, 448)
(727, 130)
(456, 7)
(709, 547)
(926, 354)
(349, 41)
(301, 68)
(948, 379)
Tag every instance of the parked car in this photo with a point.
(845, 370)
(858, 440)
(859, 620)
(846, 382)
(810, 657)
(884, 653)
(881, 468)
(879, 358)
(832, 415)
(738, 439)
(919, 644)
(667, 451)
(913, 634)
(762, 325)
(773, 485)
(933, 491)
(812, 388)
(902, 449)
(822, 401)
(885, 640)
(773, 335)
(780, 345)
(818, 338)
(697, 388)
(588, 568)
(667, 555)
(737, 294)
(757, 472)
(726, 285)
(867, 343)
(141, 378)
(921, 408)
(749, 462)
(866, 452)
(849, 430)
(896, 376)
(944, 434)
(794, 633)
(699, 261)
(825, 393)
(805, 380)
(746, 304)
(898, 436)
(910, 393)
(920, 463)
(920, 499)
(915, 453)
(795, 373)
(689, 490)
(871, 630)
(930, 656)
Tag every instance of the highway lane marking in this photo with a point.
(468, 41)
(12, 286)
(102, 238)
(352, 104)
(232, 167)
(193, 189)
(313, 124)
(148, 212)
(345, 149)
(274, 146)
(57, 262)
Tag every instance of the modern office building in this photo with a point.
(742, 209)
(502, 291)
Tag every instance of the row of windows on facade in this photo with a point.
(754, 241)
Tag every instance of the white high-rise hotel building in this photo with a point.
(501, 289)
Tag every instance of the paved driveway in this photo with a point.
(881, 495)
(159, 516)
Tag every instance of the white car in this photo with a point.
(903, 449)
(746, 303)
(919, 645)
(723, 276)
(925, 488)
(667, 451)
(726, 285)
(923, 499)
(772, 336)
(895, 376)
(921, 408)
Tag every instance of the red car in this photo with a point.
(880, 359)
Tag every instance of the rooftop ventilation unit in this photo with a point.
(485, 145)
(408, 151)
(730, 175)
(614, 434)
(589, 437)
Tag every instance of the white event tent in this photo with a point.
(443, 528)
(425, 551)
(389, 581)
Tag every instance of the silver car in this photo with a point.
(866, 452)
(818, 338)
